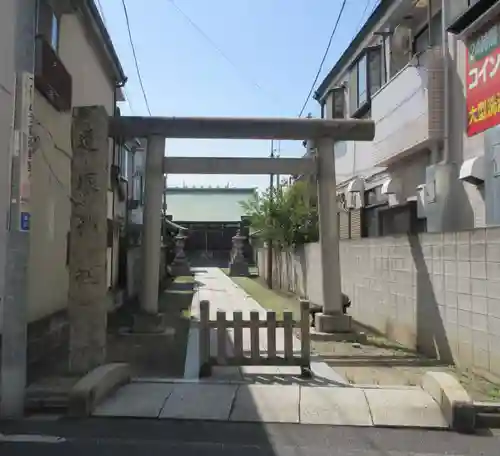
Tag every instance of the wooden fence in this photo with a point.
(239, 357)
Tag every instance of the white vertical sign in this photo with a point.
(25, 150)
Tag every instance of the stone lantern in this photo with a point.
(180, 265)
(238, 265)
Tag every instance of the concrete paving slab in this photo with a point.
(199, 402)
(136, 400)
(266, 403)
(225, 373)
(268, 370)
(323, 372)
(334, 406)
(409, 407)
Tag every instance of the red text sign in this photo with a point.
(483, 81)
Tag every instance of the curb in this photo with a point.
(455, 403)
(98, 384)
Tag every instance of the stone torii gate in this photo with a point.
(87, 247)
(322, 132)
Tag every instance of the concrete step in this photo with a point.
(327, 405)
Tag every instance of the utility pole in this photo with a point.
(278, 155)
(14, 262)
(270, 240)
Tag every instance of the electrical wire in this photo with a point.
(243, 74)
(341, 11)
(37, 147)
(362, 20)
(139, 76)
(125, 93)
(129, 102)
(56, 177)
(52, 140)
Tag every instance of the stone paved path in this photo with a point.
(265, 394)
(224, 295)
(328, 405)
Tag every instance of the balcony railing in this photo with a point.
(408, 111)
(51, 77)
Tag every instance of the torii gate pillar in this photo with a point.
(323, 132)
(332, 319)
(151, 238)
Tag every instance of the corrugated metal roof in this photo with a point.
(206, 204)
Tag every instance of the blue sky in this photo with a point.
(275, 47)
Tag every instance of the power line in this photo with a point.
(103, 16)
(242, 73)
(375, 4)
(129, 102)
(135, 57)
(324, 57)
(362, 20)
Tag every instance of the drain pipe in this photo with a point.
(446, 83)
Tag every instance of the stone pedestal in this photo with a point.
(336, 328)
(238, 267)
(333, 323)
(180, 265)
(149, 323)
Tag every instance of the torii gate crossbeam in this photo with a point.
(321, 135)
(239, 166)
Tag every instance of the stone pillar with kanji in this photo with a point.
(87, 299)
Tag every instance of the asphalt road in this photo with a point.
(99, 437)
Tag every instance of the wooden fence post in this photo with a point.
(204, 339)
(254, 336)
(288, 334)
(238, 336)
(305, 339)
(221, 338)
(271, 335)
(238, 358)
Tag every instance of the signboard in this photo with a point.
(483, 81)
(25, 150)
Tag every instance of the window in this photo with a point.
(365, 79)
(362, 74)
(375, 69)
(423, 40)
(141, 190)
(338, 103)
(137, 188)
(462, 14)
(48, 23)
(123, 162)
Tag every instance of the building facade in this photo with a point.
(407, 69)
(75, 65)
(211, 215)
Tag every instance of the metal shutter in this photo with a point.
(344, 225)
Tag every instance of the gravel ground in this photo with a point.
(378, 361)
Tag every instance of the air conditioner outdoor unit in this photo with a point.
(351, 200)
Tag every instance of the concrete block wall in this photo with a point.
(437, 292)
